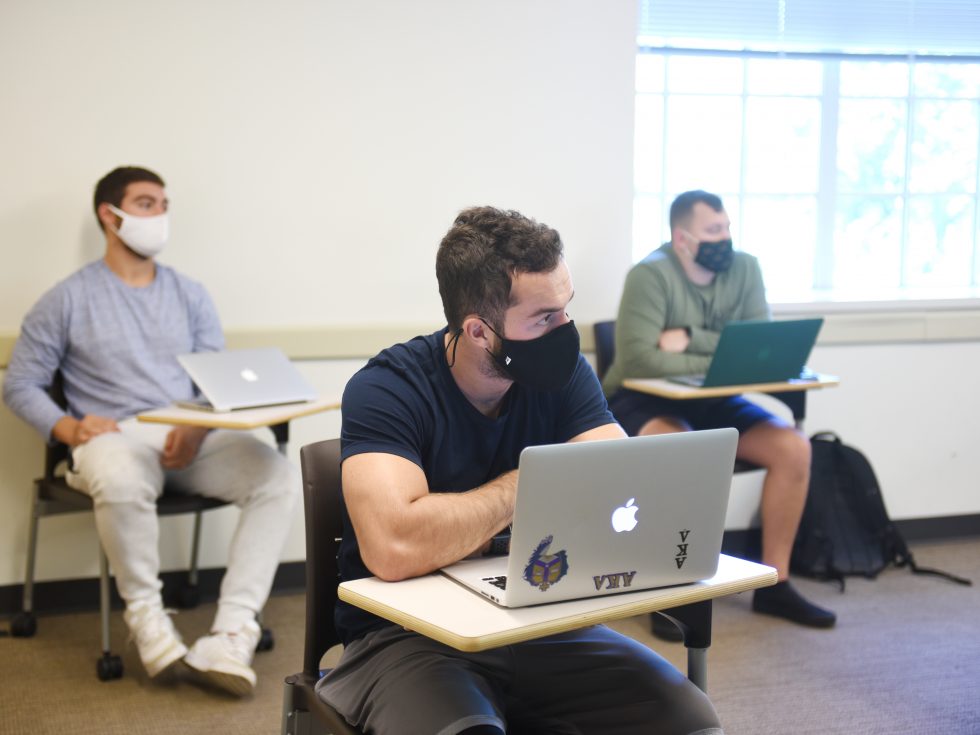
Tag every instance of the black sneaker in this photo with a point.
(783, 601)
(665, 629)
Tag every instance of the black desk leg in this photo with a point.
(694, 620)
(796, 400)
(281, 432)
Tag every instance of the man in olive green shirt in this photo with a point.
(674, 305)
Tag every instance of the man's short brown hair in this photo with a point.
(111, 188)
(482, 252)
(683, 205)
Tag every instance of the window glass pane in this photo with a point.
(976, 252)
(649, 143)
(944, 147)
(867, 245)
(901, 216)
(703, 147)
(871, 146)
(940, 242)
(782, 76)
(733, 206)
(649, 73)
(781, 233)
(704, 74)
(782, 145)
(946, 80)
(649, 225)
(874, 79)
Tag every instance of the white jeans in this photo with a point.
(122, 473)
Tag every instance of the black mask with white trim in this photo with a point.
(545, 363)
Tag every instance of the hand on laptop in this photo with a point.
(181, 446)
(674, 340)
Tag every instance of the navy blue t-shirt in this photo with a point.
(406, 402)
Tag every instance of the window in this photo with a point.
(851, 176)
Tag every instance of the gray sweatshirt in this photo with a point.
(115, 345)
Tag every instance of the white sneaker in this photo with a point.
(225, 659)
(158, 641)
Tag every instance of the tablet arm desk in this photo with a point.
(791, 392)
(441, 609)
(276, 418)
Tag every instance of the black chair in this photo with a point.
(303, 712)
(53, 496)
(605, 346)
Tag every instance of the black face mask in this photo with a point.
(715, 256)
(545, 363)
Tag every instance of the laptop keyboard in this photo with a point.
(697, 381)
(693, 380)
(498, 581)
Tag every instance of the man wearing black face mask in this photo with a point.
(674, 305)
(431, 436)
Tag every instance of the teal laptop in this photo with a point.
(759, 352)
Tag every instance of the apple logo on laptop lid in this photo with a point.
(624, 517)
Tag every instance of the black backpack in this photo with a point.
(845, 528)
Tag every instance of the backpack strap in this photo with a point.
(916, 569)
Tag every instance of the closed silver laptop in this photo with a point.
(237, 379)
(608, 517)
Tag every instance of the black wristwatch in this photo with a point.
(499, 544)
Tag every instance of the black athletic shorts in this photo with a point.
(593, 681)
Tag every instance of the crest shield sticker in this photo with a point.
(544, 569)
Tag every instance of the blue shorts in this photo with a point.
(633, 409)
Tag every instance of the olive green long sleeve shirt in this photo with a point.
(658, 295)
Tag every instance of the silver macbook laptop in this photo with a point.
(607, 517)
(235, 379)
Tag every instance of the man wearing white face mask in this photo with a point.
(113, 330)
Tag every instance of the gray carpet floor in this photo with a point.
(904, 658)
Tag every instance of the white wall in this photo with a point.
(315, 153)
(914, 410)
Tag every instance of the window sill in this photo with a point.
(900, 320)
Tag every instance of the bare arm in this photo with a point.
(607, 431)
(404, 530)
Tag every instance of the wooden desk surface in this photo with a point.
(249, 418)
(668, 389)
(441, 609)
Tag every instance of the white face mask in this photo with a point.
(143, 235)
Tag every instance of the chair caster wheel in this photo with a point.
(188, 597)
(266, 642)
(24, 625)
(109, 667)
